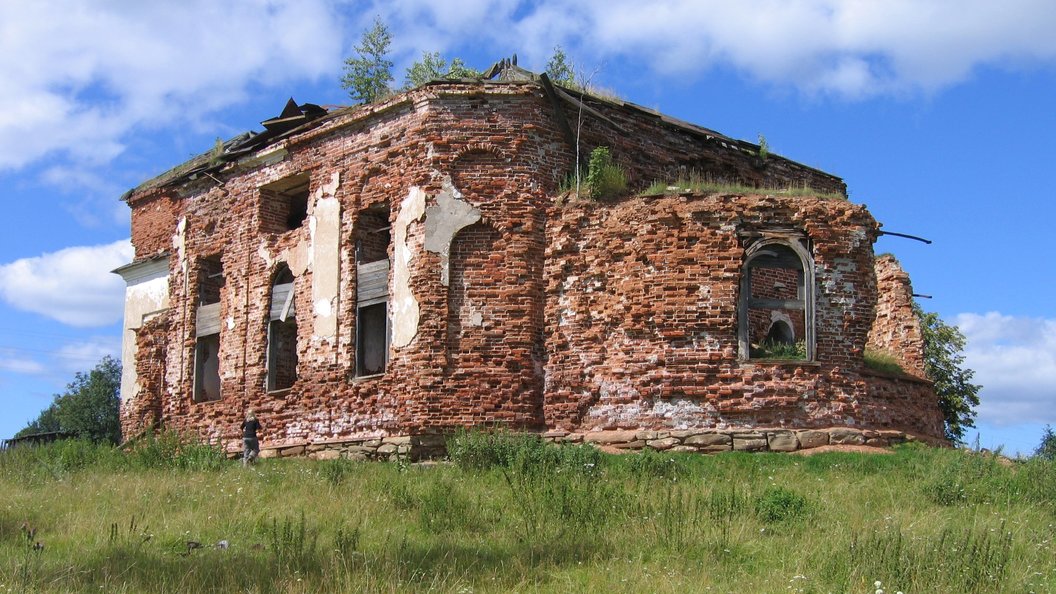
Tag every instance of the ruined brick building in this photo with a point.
(369, 278)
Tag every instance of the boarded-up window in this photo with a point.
(207, 330)
(282, 333)
(372, 292)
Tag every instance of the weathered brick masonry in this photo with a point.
(437, 281)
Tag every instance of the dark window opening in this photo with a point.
(207, 368)
(372, 291)
(776, 310)
(207, 330)
(284, 204)
(210, 280)
(372, 340)
(282, 333)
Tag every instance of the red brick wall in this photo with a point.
(590, 316)
(642, 318)
(154, 217)
(896, 329)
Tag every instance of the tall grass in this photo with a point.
(694, 181)
(512, 513)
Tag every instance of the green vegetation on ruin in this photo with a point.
(702, 184)
(513, 514)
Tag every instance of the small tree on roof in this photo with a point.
(367, 76)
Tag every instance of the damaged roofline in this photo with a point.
(297, 119)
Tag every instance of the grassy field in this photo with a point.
(510, 514)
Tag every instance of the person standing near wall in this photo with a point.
(250, 444)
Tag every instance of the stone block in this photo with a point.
(749, 444)
(709, 439)
(846, 436)
(812, 439)
(782, 441)
(665, 443)
(610, 437)
(291, 451)
(325, 455)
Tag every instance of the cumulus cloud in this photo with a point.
(1014, 359)
(850, 48)
(73, 285)
(78, 76)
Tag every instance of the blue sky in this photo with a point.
(938, 114)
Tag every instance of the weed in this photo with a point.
(969, 560)
(779, 504)
(764, 149)
(334, 472)
(648, 463)
(293, 543)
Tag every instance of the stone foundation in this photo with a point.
(702, 441)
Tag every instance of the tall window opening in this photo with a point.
(282, 332)
(284, 204)
(372, 291)
(776, 311)
(207, 330)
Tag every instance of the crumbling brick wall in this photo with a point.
(145, 411)
(652, 147)
(532, 315)
(642, 318)
(896, 329)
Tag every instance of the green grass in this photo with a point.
(514, 514)
(882, 361)
(695, 182)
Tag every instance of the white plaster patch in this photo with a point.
(179, 244)
(443, 222)
(323, 308)
(405, 311)
(230, 322)
(324, 256)
(262, 251)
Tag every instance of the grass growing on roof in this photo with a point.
(516, 514)
(705, 184)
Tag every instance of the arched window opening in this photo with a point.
(776, 310)
(282, 332)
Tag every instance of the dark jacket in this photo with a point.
(250, 428)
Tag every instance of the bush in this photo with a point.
(605, 178)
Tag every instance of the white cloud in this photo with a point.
(73, 285)
(84, 355)
(79, 76)
(850, 48)
(12, 362)
(1014, 359)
